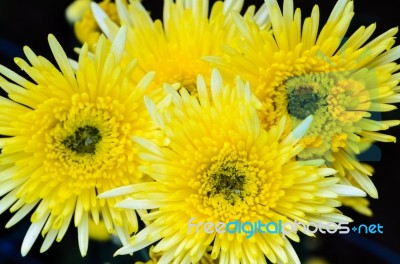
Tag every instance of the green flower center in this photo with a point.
(303, 102)
(226, 179)
(308, 93)
(84, 140)
(335, 100)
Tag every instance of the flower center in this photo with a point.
(84, 140)
(226, 179)
(336, 100)
(306, 94)
(234, 183)
(303, 102)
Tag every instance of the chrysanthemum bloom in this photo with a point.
(68, 139)
(174, 47)
(222, 166)
(294, 70)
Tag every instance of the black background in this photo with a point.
(24, 22)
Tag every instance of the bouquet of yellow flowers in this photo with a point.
(215, 135)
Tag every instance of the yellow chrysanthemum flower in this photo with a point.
(294, 70)
(221, 166)
(174, 47)
(68, 138)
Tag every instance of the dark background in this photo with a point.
(24, 22)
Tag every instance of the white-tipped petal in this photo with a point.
(216, 84)
(62, 60)
(148, 145)
(145, 82)
(20, 214)
(327, 171)
(130, 203)
(124, 190)
(261, 17)
(291, 251)
(31, 235)
(299, 132)
(202, 91)
(365, 183)
(347, 190)
(74, 64)
(119, 43)
(83, 234)
(101, 18)
(128, 249)
(48, 241)
(7, 201)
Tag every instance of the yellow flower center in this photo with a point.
(87, 144)
(234, 185)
